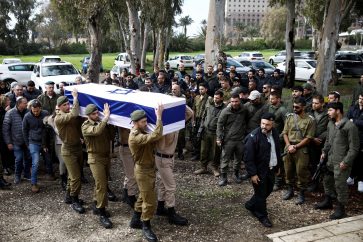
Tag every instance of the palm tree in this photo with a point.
(184, 22)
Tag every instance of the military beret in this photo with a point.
(90, 108)
(268, 116)
(298, 88)
(49, 83)
(307, 86)
(137, 115)
(61, 100)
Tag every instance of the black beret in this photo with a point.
(268, 116)
(298, 88)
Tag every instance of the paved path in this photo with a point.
(347, 229)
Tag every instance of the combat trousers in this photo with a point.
(62, 166)
(146, 202)
(100, 166)
(181, 141)
(210, 151)
(73, 159)
(165, 180)
(297, 166)
(232, 151)
(257, 203)
(335, 182)
(128, 164)
(357, 170)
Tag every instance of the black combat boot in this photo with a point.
(300, 197)
(339, 212)
(147, 232)
(223, 180)
(124, 196)
(175, 218)
(131, 200)
(105, 221)
(135, 222)
(96, 211)
(4, 184)
(327, 203)
(237, 177)
(64, 182)
(289, 193)
(161, 210)
(67, 198)
(111, 196)
(76, 205)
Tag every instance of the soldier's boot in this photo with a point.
(97, 211)
(67, 198)
(111, 196)
(223, 180)
(289, 193)
(131, 200)
(64, 182)
(175, 218)
(147, 231)
(4, 184)
(76, 205)
(327, 203)
(237, 177)
(180, 154)
(202, 170)
(339, 212)
(161, 210)
(135, 222)
(300, 197)
(105, 221)
(124, 195)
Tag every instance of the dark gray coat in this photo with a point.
(13, 127)
(33, 128)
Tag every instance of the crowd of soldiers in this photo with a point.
(226, 113)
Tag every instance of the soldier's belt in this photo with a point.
(164, 155)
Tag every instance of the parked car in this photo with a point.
(117, 70)
(281, 57)
(305, 69)
(198, 57)
(181, 59)
(16, 72)
(50, 58)
(55, 72)
(241, 69)
(123, 60)
(11, 60)
(349, 63)
(308, 55)
(85, 62)
(257, 64)
(249, 56)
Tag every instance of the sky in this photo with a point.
(197, 10)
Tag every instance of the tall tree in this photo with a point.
(273, 25)
(135, 35)
(216, 16)
(290, 44)
(185, 22)
(5, 33)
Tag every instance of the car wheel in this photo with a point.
(271, 61)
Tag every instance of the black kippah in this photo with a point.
(268, 116)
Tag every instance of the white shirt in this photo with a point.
(273, 156)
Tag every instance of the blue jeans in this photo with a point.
(22, 161)
(35, 153)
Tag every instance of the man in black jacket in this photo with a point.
(262, 159)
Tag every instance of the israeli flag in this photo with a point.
(124, 101)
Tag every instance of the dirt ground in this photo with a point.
(214, 213)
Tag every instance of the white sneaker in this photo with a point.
(360, 186)
(350, 181)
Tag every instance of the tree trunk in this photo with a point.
(290, 44)
(215, 26)
(144, 45)
(135, 40)
(94, 29)
(167, 42)
(157, 39)
(335, 12)
(162, 37)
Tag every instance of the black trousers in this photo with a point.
(257, 203)
(357, 169)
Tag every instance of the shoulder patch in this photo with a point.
(134, 132)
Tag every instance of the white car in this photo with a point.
(50, 58)
(123, 60)
(281, 57)
(181, 59)
(55, 72)
(304, 69)
(249, 56)
(117, 70)
(11, 60)
(16, 72)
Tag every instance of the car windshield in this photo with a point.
(58, 70)
(257, 55)
(257, 65)
(312, 63)
(185, 57)
(297, 54)
(231, 62)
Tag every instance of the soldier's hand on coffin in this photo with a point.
(159, 111)
(106, 110)
(74, 93)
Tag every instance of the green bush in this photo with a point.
(304, 44)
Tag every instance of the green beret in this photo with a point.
(49, 83)
(61, 100)
(90, 108)
(307, 86)
(137, 115)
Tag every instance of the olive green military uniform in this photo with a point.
(200, 103)
(226, 95)
(142, 146)
(254, 113)
(69, 129)
(297, 128)
(280, 116)
(48, 103)
(97, 137)
(342, 145)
